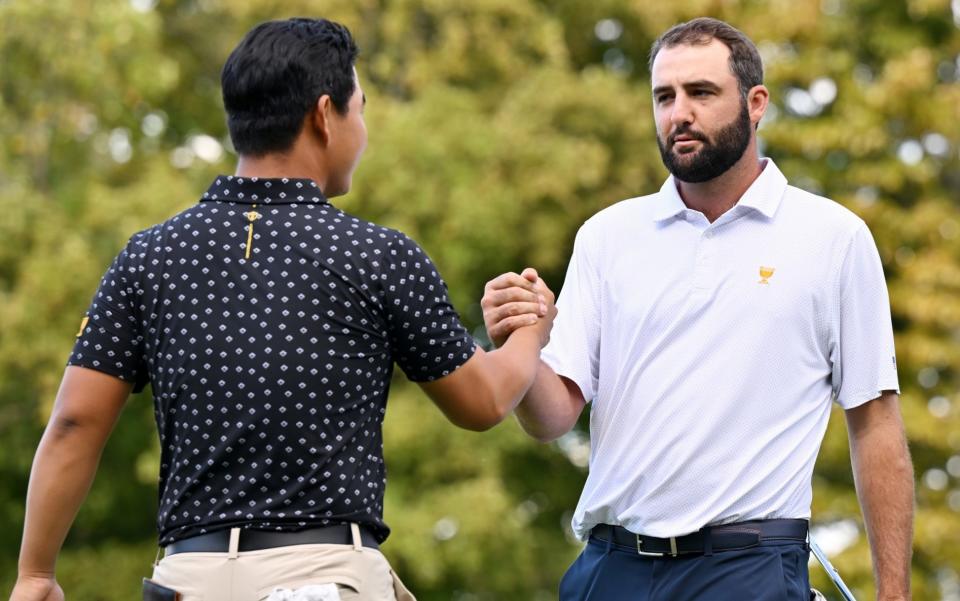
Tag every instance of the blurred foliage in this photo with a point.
(496, 128)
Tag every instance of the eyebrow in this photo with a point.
(697, 84)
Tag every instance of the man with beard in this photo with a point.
(711, 325)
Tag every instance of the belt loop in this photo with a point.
(707, 541)
(234, 549)
(355, 534)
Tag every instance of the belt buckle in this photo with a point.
(672, 553)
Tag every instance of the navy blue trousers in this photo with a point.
(774, 571)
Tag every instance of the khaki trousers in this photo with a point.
(360, 573)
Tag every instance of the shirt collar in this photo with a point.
(763, 195)
(264, 190)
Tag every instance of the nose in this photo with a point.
(681, 113)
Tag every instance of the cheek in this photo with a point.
(363, 135)
(663, 131)
(661, 121)
(360, 145)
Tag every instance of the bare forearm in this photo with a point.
(884, 478)
(63, 470)
(550, 408)
(485, 389)
(511, 369)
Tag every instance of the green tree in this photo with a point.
(496, 128)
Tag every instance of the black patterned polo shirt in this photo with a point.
(267, 322)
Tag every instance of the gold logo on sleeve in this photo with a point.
(765, 274)
(83, 325)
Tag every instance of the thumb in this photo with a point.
(530, 274)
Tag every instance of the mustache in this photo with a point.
(686, 131)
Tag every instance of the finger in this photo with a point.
(544, 290)
(507, 326)
(513, 309)
(530, 274)
(497, 298)
(508, 280)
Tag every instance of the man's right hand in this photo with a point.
(509, 301)
(37, 588)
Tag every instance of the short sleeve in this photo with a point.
(110, 338)
(864, 359)
(428, 339)
(574, 348)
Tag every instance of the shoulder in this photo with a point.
(184, 220)
(366, 231)
(639, 207)
(381, 237)
(819, 216)
(381, 242)
(620, 221)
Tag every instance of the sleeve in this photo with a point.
(574, 348)
(110, 339)
(864, 359)
(426, 334)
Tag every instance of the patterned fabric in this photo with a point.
(270, 373)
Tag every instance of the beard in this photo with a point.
(715, 157)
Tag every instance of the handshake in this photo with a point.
(512, 301)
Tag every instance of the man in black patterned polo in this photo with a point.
(267, 322)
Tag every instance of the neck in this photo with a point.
(299, 162)
(715, 197)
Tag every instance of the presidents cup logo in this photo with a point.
(765, 274)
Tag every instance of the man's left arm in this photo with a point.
(883, 474)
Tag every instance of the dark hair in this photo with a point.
(744, 59)
(274, 77)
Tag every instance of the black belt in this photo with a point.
(728, 537)
(254, 540)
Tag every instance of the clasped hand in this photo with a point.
(512, 301)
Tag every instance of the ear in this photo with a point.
(757, 100)
(319, 118)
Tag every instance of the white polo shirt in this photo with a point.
(711, 352)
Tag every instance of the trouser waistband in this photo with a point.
(727, 537)
(255, 540)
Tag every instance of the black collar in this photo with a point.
(264, 190)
